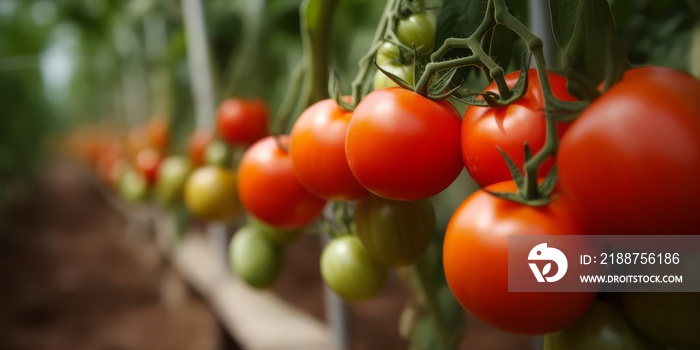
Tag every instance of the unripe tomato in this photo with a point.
(147, 162)
(395, 233)
(269, 189)
(255, 258)
(172, 176)
(317, 150)
(418, 30)
(388, 53)
(217, 153)
(210, 194)
(197, 145)
(242, 122)
(403, 146)
(349, 271)
(133, 186)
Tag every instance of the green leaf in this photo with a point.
(550, 181)
(514, 171)
(585, 31)
(563, 13)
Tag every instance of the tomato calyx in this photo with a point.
(338, 221)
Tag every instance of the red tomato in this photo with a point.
(242, 122)
(403, 146)
(197, 146)
(158, 133)
(147, 162)
(631, 161)
(475, 258)
(270, 191)
(484, 128)
(317, 148)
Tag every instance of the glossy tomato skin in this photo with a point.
(242, 122)
(269, 189)
(255, 258)
(418, 30)
(631, 161)
(510, 127)
(403, 146)
(197, 145)
(603, 327)
(395, 233)
(317, 150)
(349, 271)
(210, 194)
(475, 259)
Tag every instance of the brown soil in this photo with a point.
(76, 276)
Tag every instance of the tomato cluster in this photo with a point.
(627, 165)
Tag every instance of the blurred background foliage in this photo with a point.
(70, 62)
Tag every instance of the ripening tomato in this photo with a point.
(403, 146)
(349, 271)
(172, 176)
(509, 128)
(210, 194)
(147, 162)
(395, 233)
(269, 189)
(631, 161)
(133, 186)
(197, 146)
(475, 258)
(242, 122)
(317, 150)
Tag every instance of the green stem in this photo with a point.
(695, 51)
(316, 41)
(425, 288)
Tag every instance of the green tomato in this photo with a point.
(280, 236)
(395, 233)
(133, 186)
(418, 29)
(388, 53)
(171, 179)
(603, 327)
(673, 319)
(255, 258)
(349, 271)
(211, 194)
(382, 81)
(217, 153)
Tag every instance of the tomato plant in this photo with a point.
(403, 146)
(669, 318)
(395, 233)
(317, 151)
(631, 161)
(349, 271)
(210, 194)
(197, 145)
(603, 327)
(510, 127)
(172, 176)
(270, 190)
(255, 258)
(475, 258)
(242, 122)
(418, 30)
